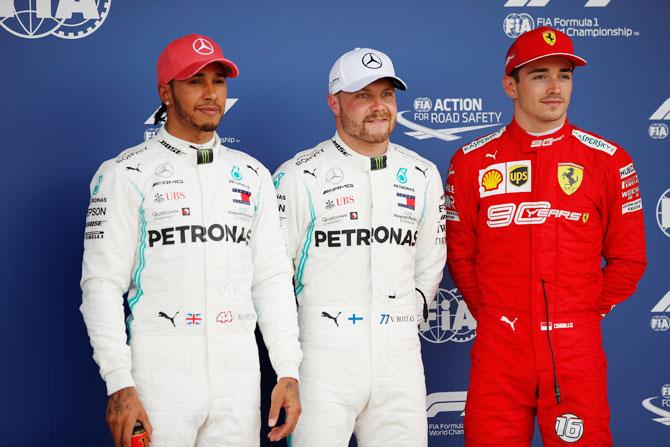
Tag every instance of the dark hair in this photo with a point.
(515, 74)
(161, 114)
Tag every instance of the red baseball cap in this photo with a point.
(538, 43)
(187, 55)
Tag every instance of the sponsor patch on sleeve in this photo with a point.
(627, 171)
(631, 207)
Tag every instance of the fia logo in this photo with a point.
(515, 24)
(449, 319)
(73, 19)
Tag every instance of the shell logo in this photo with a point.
(491, 179)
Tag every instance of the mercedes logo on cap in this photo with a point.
(334, 176)
(202, 46)
(371, 60)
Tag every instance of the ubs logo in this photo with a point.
(73, 19)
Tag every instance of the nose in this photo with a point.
(554, 87)
(210, 91)
(378, 103)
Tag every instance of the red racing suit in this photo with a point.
(529, 221)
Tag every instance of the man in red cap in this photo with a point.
(190, 230)
(533, 209)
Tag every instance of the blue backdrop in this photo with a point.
(79, 85)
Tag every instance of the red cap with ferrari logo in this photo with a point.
(538, 43)
(187, 55)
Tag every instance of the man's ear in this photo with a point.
(510, 86)
(334, 104)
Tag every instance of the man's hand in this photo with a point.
(285, 395)
(123, 410)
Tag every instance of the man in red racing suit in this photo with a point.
(532, 210)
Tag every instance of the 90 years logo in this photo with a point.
(71, 19)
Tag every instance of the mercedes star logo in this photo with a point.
(202, 46)
(165, 170)
(334, 176)
(371, 60)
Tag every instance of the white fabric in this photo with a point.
(199, 249)
(358, 309)
(359, 67)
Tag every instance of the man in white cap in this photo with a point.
(364, 224)
(189, 229)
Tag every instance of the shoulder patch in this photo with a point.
(306, 156)
(412, 155)
(483, 140)
(594, 142)
(130, 153)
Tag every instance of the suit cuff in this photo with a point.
(288, 369)
(117, 380)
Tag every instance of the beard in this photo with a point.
(189, 118)
(357, 128)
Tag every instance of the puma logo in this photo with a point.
(305, 171)
(253, 169)
(423, 171)
(327, 315)
(504, 319)
(137, 168)
(493, 155)
(164, 315)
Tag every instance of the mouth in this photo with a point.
(552, 101)
(210, 110)
(377, 120)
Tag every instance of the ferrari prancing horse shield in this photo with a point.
(570, 177)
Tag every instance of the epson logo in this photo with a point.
(96, 211)
(197, 233)
(364, 236)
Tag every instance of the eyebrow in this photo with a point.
(545, 70)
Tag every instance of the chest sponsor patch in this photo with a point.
(505, 178)
(570, 177)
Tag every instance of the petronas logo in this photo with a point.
(235, 173)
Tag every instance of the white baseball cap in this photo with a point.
(360, 67)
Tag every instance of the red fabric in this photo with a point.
(187, 55)
(528, 248)
(538, 43)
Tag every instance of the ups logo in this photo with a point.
(518, 175)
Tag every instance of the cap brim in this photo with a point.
(362, 83)
(231, 69)
(576, 60)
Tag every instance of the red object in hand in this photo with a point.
(140, 437)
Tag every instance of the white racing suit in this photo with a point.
(194, 238)
(364, 234)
